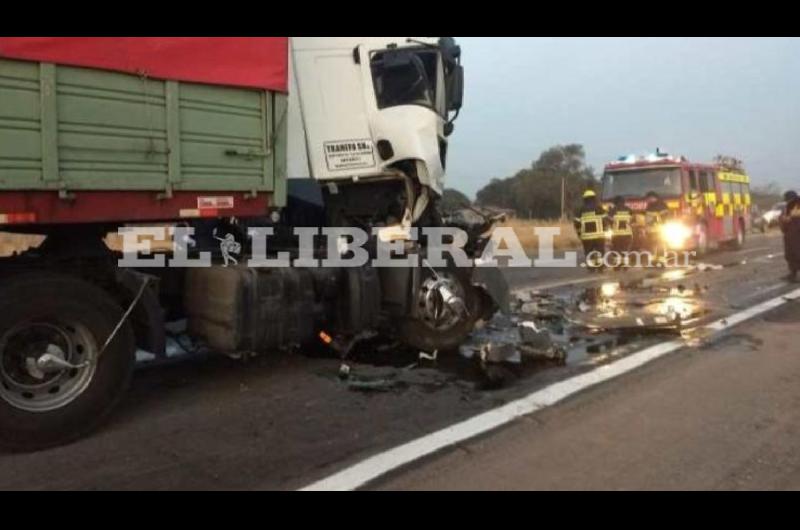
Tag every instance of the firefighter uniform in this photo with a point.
(621, 227)
(591, 223)
(790, 226)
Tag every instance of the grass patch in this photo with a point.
(523, 228)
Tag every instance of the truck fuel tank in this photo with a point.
(239, 309)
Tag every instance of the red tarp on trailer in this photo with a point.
(256, 62)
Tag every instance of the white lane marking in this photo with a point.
(375, 466)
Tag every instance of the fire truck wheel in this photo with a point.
(57, 382)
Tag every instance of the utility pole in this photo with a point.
(563, 197)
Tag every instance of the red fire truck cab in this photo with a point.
(709, 203)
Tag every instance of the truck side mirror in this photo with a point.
(455, 88)
(451, 52)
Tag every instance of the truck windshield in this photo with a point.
(411, 82)
(638, 182)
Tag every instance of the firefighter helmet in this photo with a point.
(589, 193)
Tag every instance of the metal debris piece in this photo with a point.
(344, 371)
(541, 306)
(537, 342)
(496, 362)
(424, 356)
(500, 352)
(369, 379)
(533, 336)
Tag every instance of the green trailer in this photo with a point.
(159, 145)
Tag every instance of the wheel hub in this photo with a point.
(45, 365)
(441, 301)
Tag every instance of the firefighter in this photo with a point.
(790, 226)
(591, 224)
(656, 214)
(621, 227)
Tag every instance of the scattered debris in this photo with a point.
(540, 329)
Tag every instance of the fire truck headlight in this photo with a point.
(675, 234)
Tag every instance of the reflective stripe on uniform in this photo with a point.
(591, 226)
(621, 224)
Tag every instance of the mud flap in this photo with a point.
(494, 284)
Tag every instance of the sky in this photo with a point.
(697, 97)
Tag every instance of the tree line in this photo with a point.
(537, 191)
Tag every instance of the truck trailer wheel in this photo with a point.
(55, 384)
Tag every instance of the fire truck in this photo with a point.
(709, 203)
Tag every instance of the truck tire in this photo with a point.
(422, 334)
(47, 402)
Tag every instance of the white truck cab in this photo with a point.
(362, 107)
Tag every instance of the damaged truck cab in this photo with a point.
(363, 108)
(369, 123)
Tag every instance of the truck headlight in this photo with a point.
(675, 234)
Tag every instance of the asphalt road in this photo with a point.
(284, 421)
